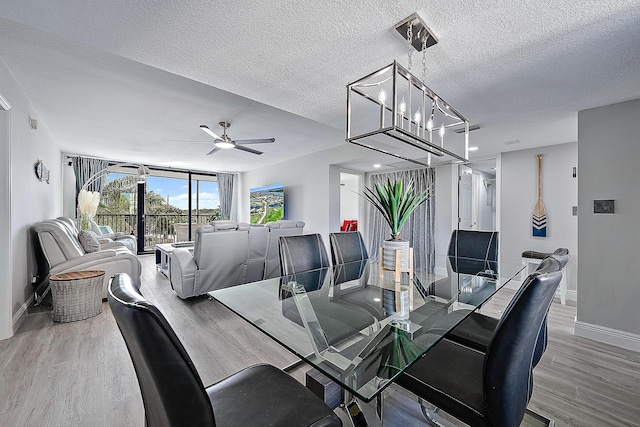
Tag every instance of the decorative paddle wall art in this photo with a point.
(539, 218)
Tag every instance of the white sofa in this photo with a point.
(227, 253)
(64, 253)
(105, 232)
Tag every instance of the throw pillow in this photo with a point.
(89, 241)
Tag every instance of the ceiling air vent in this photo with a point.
(513, 141)
(471, 128)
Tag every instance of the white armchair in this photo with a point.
(64, 253)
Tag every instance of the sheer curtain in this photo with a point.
(419, 230)
(85, 168)
(225, 192)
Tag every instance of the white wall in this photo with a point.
(5, 225)
(31, 200)
(609, 291)
(312, 191)
(559, 193)
(311, 188)
(446, 206)
(68, 189)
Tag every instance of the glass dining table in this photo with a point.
(359, 325)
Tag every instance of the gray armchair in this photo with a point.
(219, 259)
(228, 253)
(63, 252)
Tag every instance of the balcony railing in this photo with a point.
(159, 228)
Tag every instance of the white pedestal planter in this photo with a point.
(389, 254)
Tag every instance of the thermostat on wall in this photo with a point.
(603, 206)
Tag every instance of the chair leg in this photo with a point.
(355, 414)
(432, 416)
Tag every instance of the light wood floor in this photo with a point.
(80, 374)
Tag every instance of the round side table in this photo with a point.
(76, 295)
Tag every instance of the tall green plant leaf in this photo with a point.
(395, 201)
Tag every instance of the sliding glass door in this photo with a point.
(118, 209)
(163, 210)
(205, 201)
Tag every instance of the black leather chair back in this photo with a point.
(302, 253)
(172, 391)
(347, 247)
(508, 365)
(551, 263)
(471, 252)
(562, 255)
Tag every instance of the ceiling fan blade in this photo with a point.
(216, 149)
(189, 141)
(248, 150)
(255, 141)
(209, 131)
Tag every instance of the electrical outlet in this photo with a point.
(574, 209)
(34, 279)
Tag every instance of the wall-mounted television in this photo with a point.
(266, 204)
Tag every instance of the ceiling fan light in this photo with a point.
(221, 143)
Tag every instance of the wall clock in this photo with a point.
(42, 173)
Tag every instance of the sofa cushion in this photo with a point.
(89, 241)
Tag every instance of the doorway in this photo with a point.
(350, 201)
(477, 192)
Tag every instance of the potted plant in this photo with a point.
(396, 202)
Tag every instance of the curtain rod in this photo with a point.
(152, 167)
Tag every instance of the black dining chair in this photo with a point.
(477, 329)
(304, 261)
(492, 388)
(347, 247)
(302, 253)
(473, 252)
(349, 255)
(173, 393)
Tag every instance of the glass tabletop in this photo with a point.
(357, 323)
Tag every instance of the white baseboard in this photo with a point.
(18, 318)
(607, 335)
(572, 295)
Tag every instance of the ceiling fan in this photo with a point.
(224, 142)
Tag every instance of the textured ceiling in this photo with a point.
(520, 69)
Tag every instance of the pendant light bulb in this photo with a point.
(442, 130)
(403, 106)
(429, 124)
(382, 96)
(417, 116)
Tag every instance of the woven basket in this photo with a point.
(77, 295)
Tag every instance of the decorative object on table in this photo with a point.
(539, 219)
(392, 102)
(76, 295)
(42, 173)
(396, 202)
